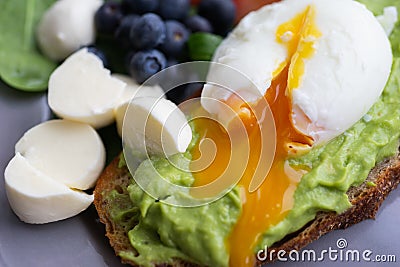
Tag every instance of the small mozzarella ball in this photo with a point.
(66, 26)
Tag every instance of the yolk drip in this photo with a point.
(299, 36)
(210, 129)
(271, 202)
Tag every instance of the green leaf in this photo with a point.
(203, 45)
(21, 64)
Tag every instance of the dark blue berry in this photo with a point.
(147, 32)
(221, 14)
(175, 39)
(128, 58)
(122, 34)
(100, 54)
(140, 6)
(174, 9)
(184, 92)
(198, 23)
(171, 62)
(146, 63)
(108, 17)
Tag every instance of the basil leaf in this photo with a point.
(203, 45)
(21, 64)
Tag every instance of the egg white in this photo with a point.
(342, 79)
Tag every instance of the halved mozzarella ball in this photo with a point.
(37, 198)
(155, 127)
(337, 55)
(66, 26)
(132, 89)
(81, 89)
(70, 153)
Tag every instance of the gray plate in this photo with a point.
(80, 241)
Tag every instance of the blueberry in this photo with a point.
(108, 17)
(198, 23)
(100, 54)
(174, 9)
(184, 92)
(128, 58)
(221, 14)
(175, 39)
(122, 34)
(147, 32)
(171, 62)
(146, 63)
(140, 6)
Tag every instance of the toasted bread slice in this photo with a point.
(366, 199)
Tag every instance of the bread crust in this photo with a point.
(365, 200)
(112, 178)
(115, 178)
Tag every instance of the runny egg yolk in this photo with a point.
(271, 202)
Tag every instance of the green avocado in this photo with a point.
(160, 232)
(164, 232)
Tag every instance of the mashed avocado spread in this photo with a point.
(160, 232)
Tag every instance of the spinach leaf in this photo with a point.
(21, 64)
(203, 45)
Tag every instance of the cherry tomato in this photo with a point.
(245, 6)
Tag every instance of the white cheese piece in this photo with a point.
(71, 153)
(155, 127)
(36, 198)
(81, 89)
(132, 89)
(388, 19)
(66, 26)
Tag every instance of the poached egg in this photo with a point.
(320, 65)
(337, 54)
